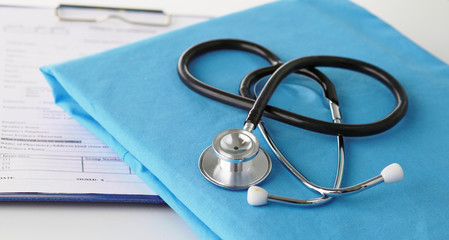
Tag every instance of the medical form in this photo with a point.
(42, 149)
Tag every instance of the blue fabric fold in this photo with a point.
(133, 100)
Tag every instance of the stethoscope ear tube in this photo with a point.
(258, 196)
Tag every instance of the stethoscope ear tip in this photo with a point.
(257, 196)
(392, 173)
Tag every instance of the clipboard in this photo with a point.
(16, 38)
(137, 16)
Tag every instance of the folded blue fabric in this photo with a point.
(132, 99)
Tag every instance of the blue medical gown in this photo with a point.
(132, 99)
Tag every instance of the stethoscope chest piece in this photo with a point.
(235, 160)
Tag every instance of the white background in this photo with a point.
(425, 22)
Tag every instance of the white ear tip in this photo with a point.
(257, 196)
(392, 173)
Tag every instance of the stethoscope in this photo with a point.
(235, 160)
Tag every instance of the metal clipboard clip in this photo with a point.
(84, 13)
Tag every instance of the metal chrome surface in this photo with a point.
(234, 175)
(248, 126)
(116, 13)
(326, 193)
(335, 111)
(304, 202)
(235, 145)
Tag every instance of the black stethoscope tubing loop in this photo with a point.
(260, 106)
(231, 99)
(304, 66)
(251, 78)
(214, 45)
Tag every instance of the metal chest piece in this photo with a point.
(235, 160)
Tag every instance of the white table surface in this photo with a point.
(424, 23)
(91, 221)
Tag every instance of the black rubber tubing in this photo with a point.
(306, 66)
(327, 127)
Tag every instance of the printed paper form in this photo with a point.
(42, 149)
